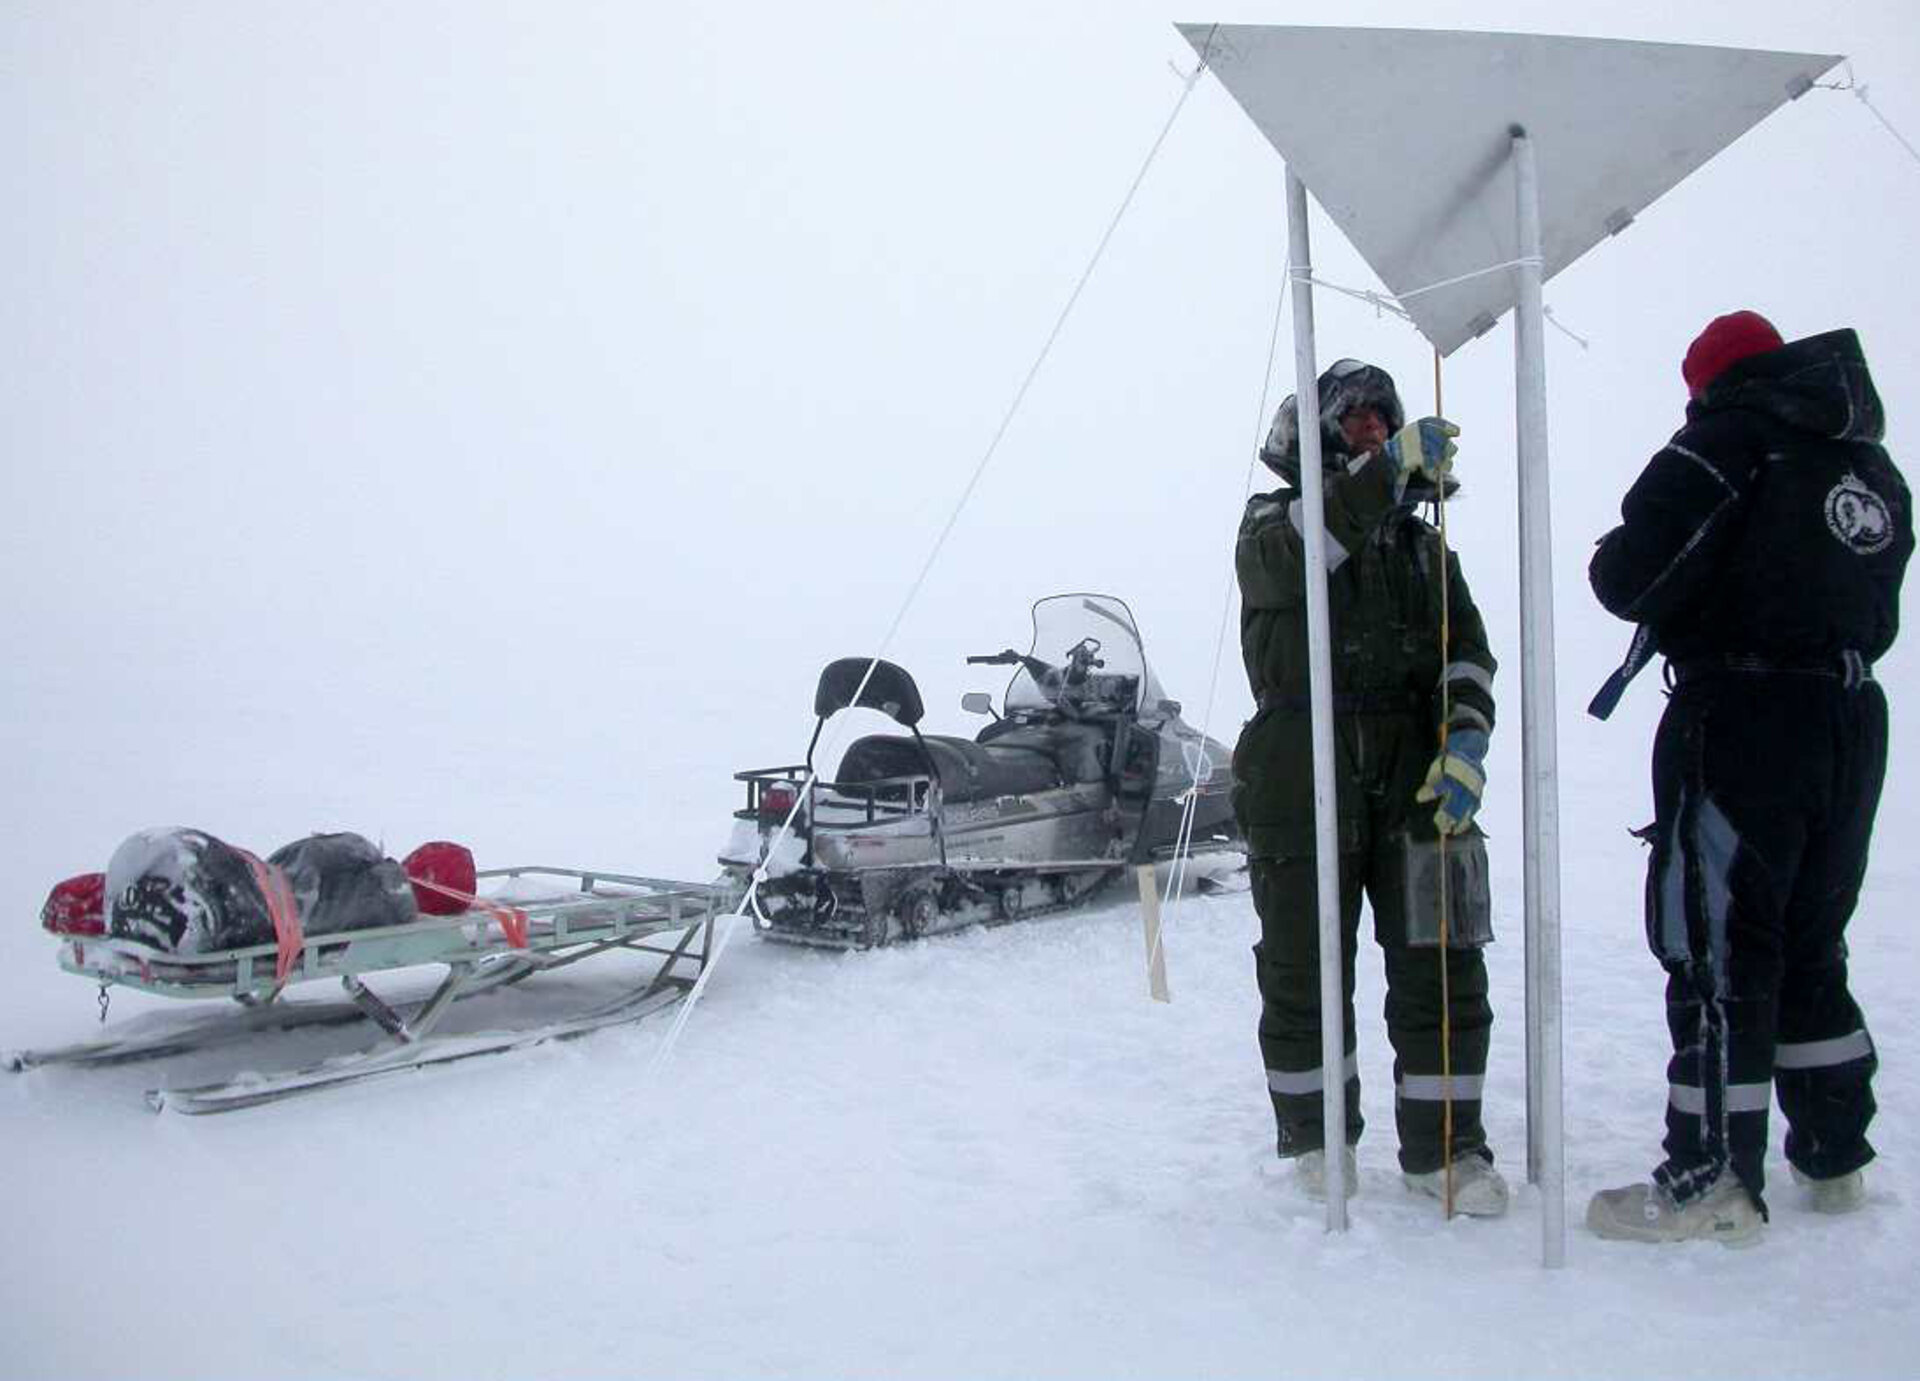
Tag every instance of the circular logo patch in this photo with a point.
(1856, 515)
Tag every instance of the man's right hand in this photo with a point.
(1424, 447)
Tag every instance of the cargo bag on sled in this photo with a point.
(343, 882)
(186, 892)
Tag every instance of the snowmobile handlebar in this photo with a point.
(1046, 676)
(1040, 671)
(1043, 675)
(1081, 659)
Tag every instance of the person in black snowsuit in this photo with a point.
(1761, 551)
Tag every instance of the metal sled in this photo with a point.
(479, 948)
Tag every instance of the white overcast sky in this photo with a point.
(483, 419)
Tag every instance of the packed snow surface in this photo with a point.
(986, 1155)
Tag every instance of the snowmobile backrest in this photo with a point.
(889, 690)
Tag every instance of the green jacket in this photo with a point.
(1383, 598)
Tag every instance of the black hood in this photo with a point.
(1347, 384)
(1818, 385)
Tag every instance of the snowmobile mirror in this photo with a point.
(977, 702)
(1169, 707)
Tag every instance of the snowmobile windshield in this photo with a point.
(1086, 658)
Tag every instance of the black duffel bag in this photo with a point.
(187, 892)
(343, 882)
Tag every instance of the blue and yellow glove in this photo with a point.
(1456, 780)
(1425, 448)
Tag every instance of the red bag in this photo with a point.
(442, 864)
(77, 906)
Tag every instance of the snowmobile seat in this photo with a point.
(1078, 750)
(968, 771)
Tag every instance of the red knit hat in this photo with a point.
(1726, 339)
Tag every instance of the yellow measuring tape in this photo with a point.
(1446, 1004)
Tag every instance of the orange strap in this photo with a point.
(284, 911)
(513, 921)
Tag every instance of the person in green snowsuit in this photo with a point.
(1397, 788)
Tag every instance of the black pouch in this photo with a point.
(1467, 894)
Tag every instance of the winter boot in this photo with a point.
(1723, 1213)
(1479, 1191)
(1841, 1194)
(1310, 1169)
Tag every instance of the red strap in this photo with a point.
(283, 909)
(513, 921)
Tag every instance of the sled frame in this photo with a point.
(609, 911)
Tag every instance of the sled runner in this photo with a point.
(503, 938)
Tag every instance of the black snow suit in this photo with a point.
(1384, 576)
(1763, 549)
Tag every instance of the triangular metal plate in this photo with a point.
(1403, 137)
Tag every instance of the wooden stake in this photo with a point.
(1156, 956)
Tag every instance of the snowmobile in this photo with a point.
(1086, 769)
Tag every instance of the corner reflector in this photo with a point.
(1403, 135)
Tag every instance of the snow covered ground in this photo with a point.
(988, 1155)
(436, 423)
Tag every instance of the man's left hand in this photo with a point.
(1456, 780)
(1425, 448)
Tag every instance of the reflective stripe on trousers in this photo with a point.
(1296, 1082)
(1823, 1054)
(1432, 1088)
(1827, 1054)
(1740, 1098)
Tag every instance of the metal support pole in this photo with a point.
(1333, 1040)
(1540, 792)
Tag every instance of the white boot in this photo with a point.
(1644, 1213)
(1310, 1169)
(1841, 1194)
(1479, 1191)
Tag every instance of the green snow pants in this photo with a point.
(1380, 759)
(1287, 964)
